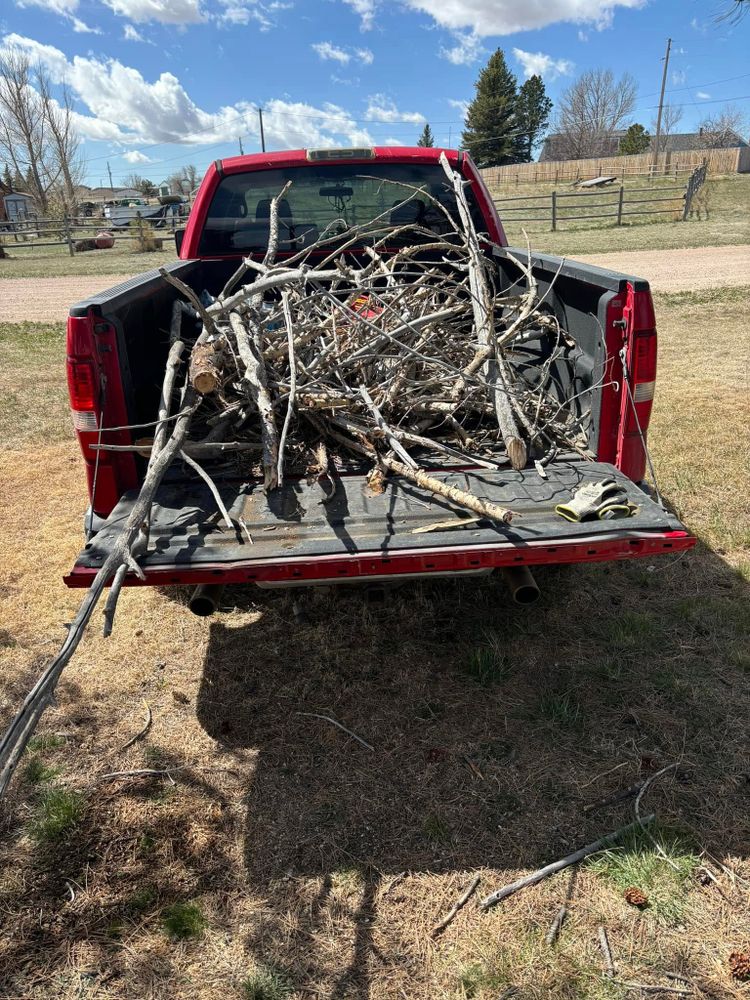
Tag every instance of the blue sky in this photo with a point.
(159, 83)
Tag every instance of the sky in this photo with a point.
(161, 83)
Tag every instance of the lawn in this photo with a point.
(728, 223)
(55, 262)
(282, 859)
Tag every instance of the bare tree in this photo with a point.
(37, 131)
(671, 116)
(139, 183)
(592, 110)
(723, 129)
(66, 165)
(24, 135)
(733, 10)
(187, 174)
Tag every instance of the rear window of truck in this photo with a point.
(326, 201)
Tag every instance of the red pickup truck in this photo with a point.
(117, 344)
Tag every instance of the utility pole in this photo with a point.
(262, 135)
(242, 151)
(109, 171)
(655, 159)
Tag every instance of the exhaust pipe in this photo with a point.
(205, 599)
(522, 585)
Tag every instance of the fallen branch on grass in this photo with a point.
(457, 906)
(556, 926)
(327, 718)
(142, 732)
(606, 951)
(566, 862)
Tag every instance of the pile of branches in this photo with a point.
(391, 357)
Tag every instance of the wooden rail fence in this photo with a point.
(612, 203)
(29, 233)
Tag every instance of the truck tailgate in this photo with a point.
(291, 536)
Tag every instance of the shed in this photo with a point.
(18, 206)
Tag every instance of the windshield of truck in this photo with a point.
(326, 201)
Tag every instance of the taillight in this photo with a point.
(640, 360)
(82, 385)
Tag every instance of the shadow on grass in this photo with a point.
(620, 666)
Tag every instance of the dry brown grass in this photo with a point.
(292, 839)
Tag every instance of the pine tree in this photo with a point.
(7, 178)
(635, 140)
(532, 114)
(491, 126)
(426, 138)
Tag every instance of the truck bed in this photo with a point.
(292, 535)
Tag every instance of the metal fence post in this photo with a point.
(620, 201)
(554, 211)
(68, 235)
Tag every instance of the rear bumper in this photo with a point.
(425, 562)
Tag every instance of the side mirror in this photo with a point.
(179, 235)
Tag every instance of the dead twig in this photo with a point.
(142, 732)
(606, 951)
(327, 718)
(462, 900)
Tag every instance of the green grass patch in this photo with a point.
(662, 869)
(183, 920)
(57, 814)
(561, 708)
(436, 829)
(142, 900)
(267, 983)
(45, 741)
(36, 772)
(488, 663)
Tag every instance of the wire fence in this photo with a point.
(618, 204)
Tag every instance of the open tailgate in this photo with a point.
(290, 536)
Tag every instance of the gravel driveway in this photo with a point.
(681, 270)
(46, 300)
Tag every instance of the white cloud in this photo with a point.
(462, 106)
(365, 9)
(583, 36)
(135, 156)
(334, 53)
(504, 17)
(163, 11)
(390, 141)
(81, 28)
(381, 109)
(245, 11)
(678, 76)
(468, 49)
(540, 64)
(131, 34)
(703, 95)
(66, 8)
(125, 108)
(326, 50)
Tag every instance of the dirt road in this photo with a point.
(682, 270)
(47, 300)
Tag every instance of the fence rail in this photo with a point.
(548, 207)
(26, 232)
